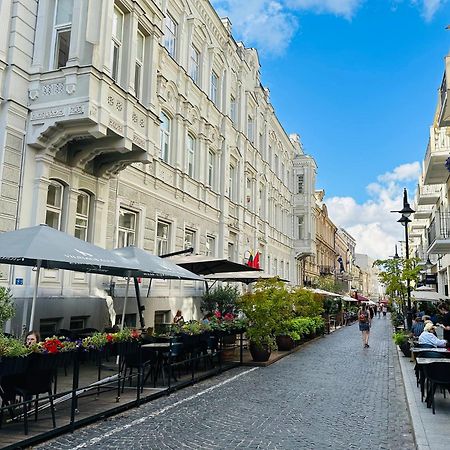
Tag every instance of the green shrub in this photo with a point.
(11, 347)
(400, 337)
(7, 309)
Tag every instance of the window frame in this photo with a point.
(165, 137)
(191, 149)
(58, 29)
(233, 109)
(83, 217)
(55, 208)
(210, 239)
(194, 64)
(116, 44)
(211, 168)
(162, 241)
(193, 234)
(214, 87)
(170, 38)
(127, 231)
(139, 65)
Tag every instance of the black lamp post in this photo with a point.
(406, 211)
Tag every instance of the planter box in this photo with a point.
(14, 365)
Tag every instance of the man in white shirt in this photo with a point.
(427, 336)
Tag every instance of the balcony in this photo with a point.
(81, 117)
(439, 234)
(428, 195)
(422, 212)
(443, 106)
(434, 170)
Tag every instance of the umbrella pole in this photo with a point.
(36, 284)
(138, 301)
(125, 304)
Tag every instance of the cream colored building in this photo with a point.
(146, 123)
(429, 231)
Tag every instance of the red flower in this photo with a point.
(218, 314)
(135, 334)
(109, 337)
(228, 316)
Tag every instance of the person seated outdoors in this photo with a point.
(178, 319)
(428, 337)
(417, 326)
(9, 382)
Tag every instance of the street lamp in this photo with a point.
(406, 211)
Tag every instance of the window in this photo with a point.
(49, 327)
(300, 184)
(127, 228)
(269, 268)
(214, 89)
(140, 46)
(233, 181)
(300, 227)
(54, 205)
(62, 29)
(82, 216)
(170, 35)
(211, 168)
(250, 128)
(189, 238)
(231, 251)
(165, 137)
(162, 317)
(130, 320)
(190, 156)
(233, 109)
(276, 165)
(77, 323)
(194, 69)
(117, 39)
(249, 192)
(210, 246)
(162, 238)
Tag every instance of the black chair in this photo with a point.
(437, 375)
(32, 384)
(419, 369)
(147, 359)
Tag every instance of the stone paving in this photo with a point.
(330, 394)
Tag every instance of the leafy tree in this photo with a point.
(222, 299)
(395, 273)
(328, 283)
(306, 303)
(7, 309)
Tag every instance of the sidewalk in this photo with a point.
(432, 432)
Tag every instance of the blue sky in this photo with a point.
(358, 80)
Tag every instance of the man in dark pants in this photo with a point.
(444, 310)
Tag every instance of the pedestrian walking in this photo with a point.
(379, 310)
(384, 310)
(364, 324)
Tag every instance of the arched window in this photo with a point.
(82, 216)
(165, 128)
(54, 206)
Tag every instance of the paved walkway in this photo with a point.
(330, 394)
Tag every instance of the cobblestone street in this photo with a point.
(330, 394)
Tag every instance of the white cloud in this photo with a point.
(371, 223)
(344, 8)
(267, 24)
(430, 7)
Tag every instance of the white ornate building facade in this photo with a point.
(142, 122)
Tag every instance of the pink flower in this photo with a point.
(218, 314)
(228, 316)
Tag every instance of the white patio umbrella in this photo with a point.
(43, 246)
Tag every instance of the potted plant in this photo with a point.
(401, 339)
(13, 356)
(263, 313)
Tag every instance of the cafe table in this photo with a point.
(425, 362)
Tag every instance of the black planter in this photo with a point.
(260, 353)
(285, 343)
(14, 365)
(405, 348)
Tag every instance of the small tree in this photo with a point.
(222, 299)
(7, 309)
(395, 273)
(306, 303)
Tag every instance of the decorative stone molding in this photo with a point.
(53, 89)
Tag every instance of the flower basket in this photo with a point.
(13, 365)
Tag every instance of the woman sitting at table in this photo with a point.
(417, 326)
(427, 336)
(178, 319)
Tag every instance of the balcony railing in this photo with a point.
(326, 270)
(439, 227)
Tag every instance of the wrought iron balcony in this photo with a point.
(439, 233)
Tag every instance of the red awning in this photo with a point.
(361, 298)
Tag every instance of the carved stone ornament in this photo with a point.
(33, 94)
(52, 89)
(71, 88)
